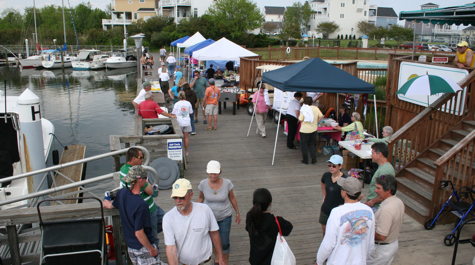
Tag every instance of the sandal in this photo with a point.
(208, 129)
(215, 129)
(296, 147)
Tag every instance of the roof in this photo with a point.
(274, 10)
(305, 77)
(151, 9)
(277, 23)
(471, 28)
(385, 12)
(458, 15)
(430, 4)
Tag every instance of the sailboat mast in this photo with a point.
(64, 24)
(36, 32)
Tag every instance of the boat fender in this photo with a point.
(55, 157)
(288, 50)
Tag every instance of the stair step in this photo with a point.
(414, 209)
(451, 142)
(469, 122)
(428, 162)
(423, 175)
(438, 151)
(468, 125)
(416, 188)
(461, 132)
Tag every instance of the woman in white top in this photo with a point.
(218, 194)
(182, 110)
(164, 78)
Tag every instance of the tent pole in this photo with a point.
(414, 39)
(376, 116)
(337, 103)
(277, 133)
(254, 112)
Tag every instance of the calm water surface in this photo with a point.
(85, 107)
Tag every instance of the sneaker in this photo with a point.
(263, 136)
(193, 133)
(205, 122)
(196, 121)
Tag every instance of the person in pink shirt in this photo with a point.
(261, 107)
(149, 109)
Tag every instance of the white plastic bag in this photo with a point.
(282, 253)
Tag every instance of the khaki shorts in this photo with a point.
(199, 102)
(211, 109)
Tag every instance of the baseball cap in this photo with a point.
(146, 84)
(350, 185)
(180, 188)
(135, 172)
(214, 167)
(211, 81)
(463, 43)
(177, 67)
(336, 160)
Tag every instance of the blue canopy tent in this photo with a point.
(180, 40)
(198, 46)
(315, 75)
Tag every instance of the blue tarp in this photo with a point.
(180, 40)
(50, 51)
(198, 46)
(316, 75)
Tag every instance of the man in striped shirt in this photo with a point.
(135, 157)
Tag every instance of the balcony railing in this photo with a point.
(447, 31)
(117, 22)
(175, 2)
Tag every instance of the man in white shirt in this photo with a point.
(190, 229)
(389, 218)
(171, 64)
(147, 86)
(315, 97)
(349, 234)
(292, 118)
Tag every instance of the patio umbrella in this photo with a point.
(429, 85)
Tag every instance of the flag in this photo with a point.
(38, 47)
(65, 48)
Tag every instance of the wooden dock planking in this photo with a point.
(75, 173)
(295, 189)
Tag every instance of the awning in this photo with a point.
(180, 40)
(457, 15)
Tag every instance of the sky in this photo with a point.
(398, 5)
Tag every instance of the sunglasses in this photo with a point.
(139, 157)
(179, 198)
(333, 165)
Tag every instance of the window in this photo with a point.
(142, 1)
(428, 25)
(365, 13)
(342, 4)
(364, 2)
(131, 2)
(342, 15)
(353, 2)
(195, 12)
(135, 15)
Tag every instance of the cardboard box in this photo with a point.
(349, 160)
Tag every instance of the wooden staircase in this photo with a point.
(417, 184)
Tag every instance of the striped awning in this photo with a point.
(457, 15)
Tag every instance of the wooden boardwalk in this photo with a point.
(295, 188)
(296, 192)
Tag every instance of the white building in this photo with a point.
(181, 9)
(273, 13)
(345, 13)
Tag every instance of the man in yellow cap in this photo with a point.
(464, 58)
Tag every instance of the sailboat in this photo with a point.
(119, 58)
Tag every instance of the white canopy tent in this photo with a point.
(196, 38)
(223, 49)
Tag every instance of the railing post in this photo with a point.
(14, 245)
(338, 52)
(117, 231)
(318, 51)
(357, 49)
(269, 57)
(376, 53)
(283, 53)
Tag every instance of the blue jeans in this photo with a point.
(192, 119)
(224, 231)
(171, 68)
(156, 218)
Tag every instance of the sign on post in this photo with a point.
(440, 59)
(175, 149)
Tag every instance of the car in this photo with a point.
(408, 45)
(452, 46)
(433, 48)
(439, 40)
(425, 47)
(444, 48)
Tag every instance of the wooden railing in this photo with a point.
(428, 126)
(457, 165)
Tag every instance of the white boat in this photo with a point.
(53, 61)
(35, 60)
(90, 60)
(119, 59)
(31, 146)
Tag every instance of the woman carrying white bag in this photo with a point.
(264, 231)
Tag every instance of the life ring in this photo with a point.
(288, 50)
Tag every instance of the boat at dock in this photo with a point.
(120, 59)
(53, 61)
(90, 60)
(34, 61)
(30, 137)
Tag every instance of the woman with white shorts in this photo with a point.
(182, 110)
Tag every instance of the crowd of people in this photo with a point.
(354, 232)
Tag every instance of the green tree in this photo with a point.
(235, 17)
(327, 28)
(365, 27)
(400, 34)
(306, 14)
(379, 32)
(291, 24)
(269, 27)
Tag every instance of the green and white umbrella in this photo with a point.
(428, 85)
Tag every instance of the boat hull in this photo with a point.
(55, 64)
(117, 65)
(86, 66)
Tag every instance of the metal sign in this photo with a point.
(440, 59)
(175, 149)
